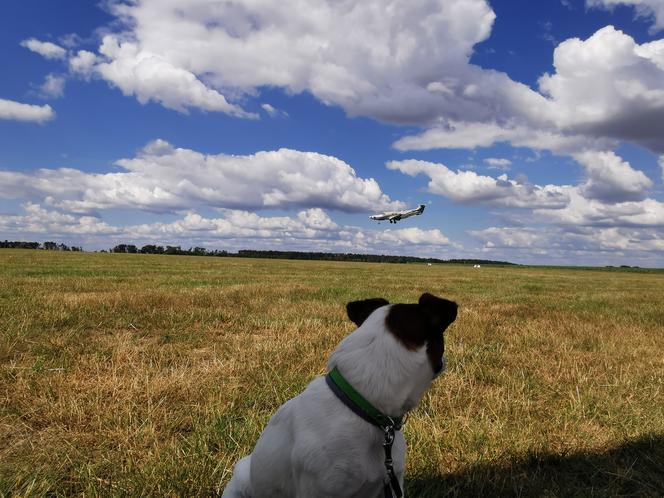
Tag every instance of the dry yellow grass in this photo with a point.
(151, 375)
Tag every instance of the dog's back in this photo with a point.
(313, 446)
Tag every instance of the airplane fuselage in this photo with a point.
(395, 216)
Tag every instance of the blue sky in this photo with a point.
(532, 130)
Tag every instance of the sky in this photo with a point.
(532, 131)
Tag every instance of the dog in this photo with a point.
(318, 445)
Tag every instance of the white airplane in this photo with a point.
(395, 216)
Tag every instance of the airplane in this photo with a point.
(395, 216)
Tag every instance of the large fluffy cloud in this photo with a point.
(309, 224)
(611, 179)
(17, 111)
(604, 89)
(612, 193)
(37, 220)
(151, 76)
(469, 187)
(164, 178)
(379, 64)
(396, 61)
(608, 85)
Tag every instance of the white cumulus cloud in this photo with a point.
(582, 211)
(37, 220)
(610, 86)
(151, 77)
(17, 111)
(382, 69)
(83, 63)
(469, 187)
(612, 179)
(411, 236)
(469, 135)
(162, 178)
(603, 90)
(45, 49)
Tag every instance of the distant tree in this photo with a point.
(132, 249)
(18, 244)
(173, 250)
(152, 249)
(50, 246)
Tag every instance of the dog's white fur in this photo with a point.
(315, 446)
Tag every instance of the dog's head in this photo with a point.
(415, 326)
(397, 349)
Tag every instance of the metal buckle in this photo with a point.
(389, 435)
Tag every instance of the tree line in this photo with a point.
(251, 253)
(46, 246)
(370, 258)
(176, 250)
(304, 255)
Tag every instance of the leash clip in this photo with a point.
(389, 435)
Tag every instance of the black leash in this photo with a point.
(392, 484)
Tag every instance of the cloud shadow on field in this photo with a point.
(634, 468)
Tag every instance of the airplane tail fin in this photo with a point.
(422, 206)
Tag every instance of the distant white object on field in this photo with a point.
(395, 216)
(477, 266)
(428, 264)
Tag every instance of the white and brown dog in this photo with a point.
(319, 444)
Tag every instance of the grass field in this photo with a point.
(151, 375)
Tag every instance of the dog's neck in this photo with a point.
(381, 369)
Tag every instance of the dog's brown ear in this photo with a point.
(441, 312)
(358, 311)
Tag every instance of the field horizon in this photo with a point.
(129, 374)
(160, 250)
